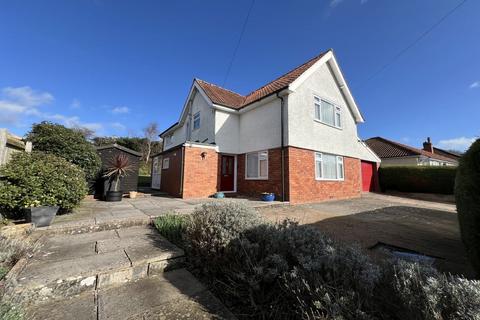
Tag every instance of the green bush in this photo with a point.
(10, 312)
(172, 227)
(422, 179)
(213, 226)
(35, 179)
(66, 143)
(467, 196)
(288, 271)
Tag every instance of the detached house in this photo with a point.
(296, 137)
(397, 154)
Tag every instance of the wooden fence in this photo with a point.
(10, 144)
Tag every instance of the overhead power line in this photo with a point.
(412, 44)
(238, 43)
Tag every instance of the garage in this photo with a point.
(368, 176)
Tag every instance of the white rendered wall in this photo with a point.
(305, 132)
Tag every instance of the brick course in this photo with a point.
(303, 187)
(200, 173)
(256, 187)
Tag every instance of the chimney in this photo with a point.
(427, 145)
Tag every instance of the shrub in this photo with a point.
(33, 179)
(214, 225)
(10, 312)
(288, 271)
(66, 143)
(172, 227)
(12, 251)
(418, 179)
(467, 196)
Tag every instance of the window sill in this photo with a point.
(337, 180)
(328, 125)
(256, 178)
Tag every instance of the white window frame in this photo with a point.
(196, 115)
(165, 163)
(339, 160)
(337, 110)
(258, 177)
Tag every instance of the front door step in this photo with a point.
(67, 265)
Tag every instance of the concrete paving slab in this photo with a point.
(56, 252)
(41, 272)
(137, 298)
(82, 307)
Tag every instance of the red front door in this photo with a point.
(367, 176)
(227, 173)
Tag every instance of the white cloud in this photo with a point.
(119, 110)
(474, 85)
(118, 126)
(26, 96)
(334, 3)
(76, 104)
(460, 143)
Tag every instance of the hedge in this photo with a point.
(418, 179)
(467, 196)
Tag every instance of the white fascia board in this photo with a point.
(183, 114)
(200, 145)
(267, 99)
(342, 84)
(224, 109)
(370, 150)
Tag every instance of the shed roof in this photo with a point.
(119, 147)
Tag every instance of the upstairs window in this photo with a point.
(327, 112)
(196, 121)
(328, 167)
(257, 165)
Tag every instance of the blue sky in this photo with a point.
(114, 66)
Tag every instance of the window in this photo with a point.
(166, 163)
(327, 112)
(257, 165)
(328, 167)
(196, 121)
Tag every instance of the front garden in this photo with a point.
(262, 270)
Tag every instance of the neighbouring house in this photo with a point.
(396, 154)
(130, 182)
(295, 136)
(9, 144)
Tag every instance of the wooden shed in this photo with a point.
(107, 153)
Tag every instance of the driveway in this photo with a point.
(401, 224)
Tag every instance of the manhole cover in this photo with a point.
(404, 253)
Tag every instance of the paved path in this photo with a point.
(128, 273)
(93, 213)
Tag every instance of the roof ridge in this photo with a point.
(216, 85)
(288, 72)
(419, 151)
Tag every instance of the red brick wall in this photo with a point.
(256, 187)
(200, 174)
(303, 187)
(171, 177)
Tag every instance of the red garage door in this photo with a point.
(368, 169)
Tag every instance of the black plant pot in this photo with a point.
(40, 216)
(114, 196)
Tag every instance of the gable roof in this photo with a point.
(449, 154)
(390, 149)
(227, 98)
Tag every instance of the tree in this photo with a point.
(151, 133)
(67, 143)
